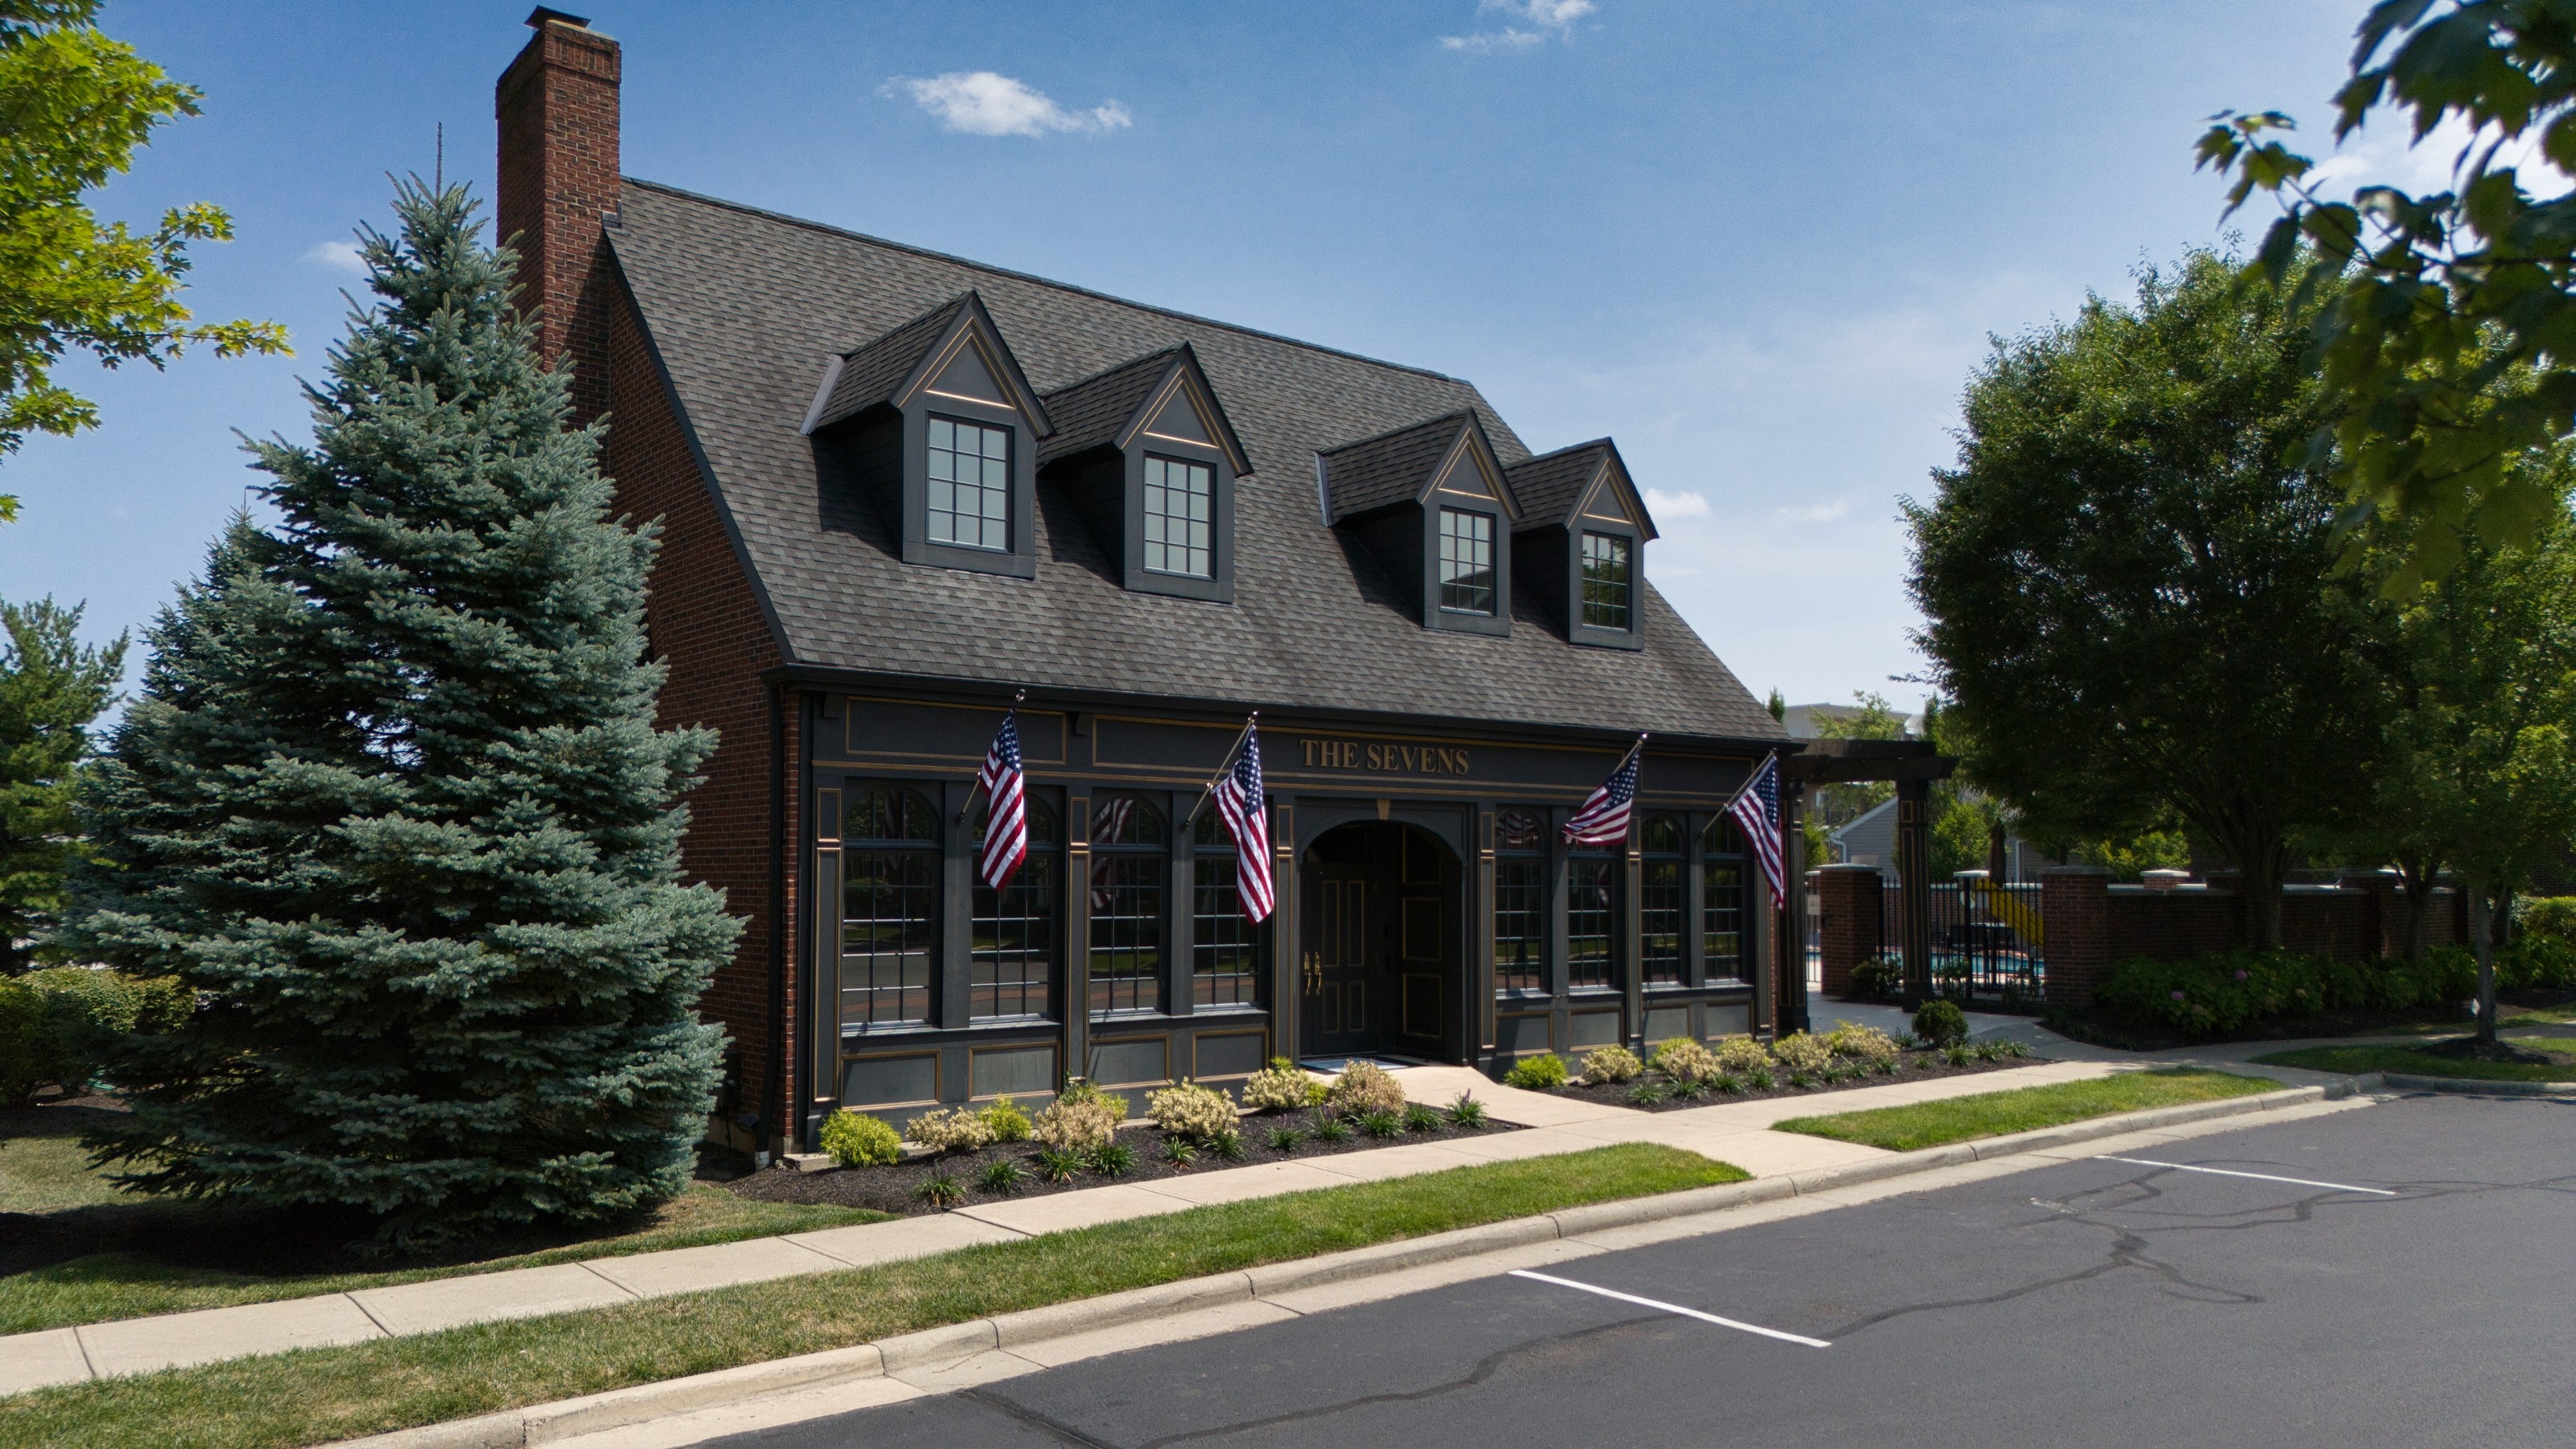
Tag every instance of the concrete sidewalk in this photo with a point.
(1732, 1132)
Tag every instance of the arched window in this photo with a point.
(1127, 887)
(889, 907)
(1660, 900)
(1722, 901)
(1012, 958)
(1520, 904)
(1225, 949)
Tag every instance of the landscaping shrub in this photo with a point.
(856, 1139)
(1365, 1087)
(2214, 995)
(1080, 1090)
(1538, 1073)
(1685, 1060)
(2551, 916)
(949, 1130)
(58, 1026)
(1611, 1064)
(1006, 1121)
(1738, 1055)
(1860, 1043)
(1802, 1054)
(1185, 1109)
(1876, 978)
(1940, 1023)
(2536, 963)
(1078, 1124)
(1282, 1086)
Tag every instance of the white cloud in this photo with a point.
(1547, 20)
(986, 103)
(1676, 504)
(1814, 512)
(2384, 153)
(339, 256)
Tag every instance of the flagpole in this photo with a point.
(1222, 766)
(965, 809)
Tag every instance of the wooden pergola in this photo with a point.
(1912, 766)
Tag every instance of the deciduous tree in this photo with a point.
(51, 687)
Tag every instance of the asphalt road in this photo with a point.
(2095, 1303)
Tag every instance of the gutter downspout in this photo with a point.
(779, 1090)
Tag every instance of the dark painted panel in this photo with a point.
(1595, 1028)
(886, 1081)
(1019, 1071)
(1514, 1034)
(1131, 1063)
(1227, 1054)
(918, 730)
(1663, 1023)
(1729, 1020)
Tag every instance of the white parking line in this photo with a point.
(1671, 1308)
(2257, 1176)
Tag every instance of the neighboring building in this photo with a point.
(896, 486)
(1800, 720)
(1869, 838)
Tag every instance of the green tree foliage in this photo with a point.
(1777, 704)
(51, 687)
(2125, 577)
(2475, 769)
(392, 798)
(1872, 718)
(74, 106)
(2448, 318)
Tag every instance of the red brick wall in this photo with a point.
(557, 110)
(2075, 911)
(1847, 904)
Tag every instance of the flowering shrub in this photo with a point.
(1078, 1124)
(2214, 995)
(1186, 1109)
(1080, 1090)
(1282, 1087)
(1536, 1074)
(1006, 1121)
(1860, 1043)
(1365, 1087)
(950, 1131)
(1685, 1060)
(1737, 1055)
(857, 1140)
(1800, 1052)
(1611, 1064)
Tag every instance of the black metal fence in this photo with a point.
(1985, 943)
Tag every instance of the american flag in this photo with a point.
(1603, 820)
(1006, 817)
(1239, 804)
(1108, 827)
(1757, 814)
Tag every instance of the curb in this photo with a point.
(2470, 1086)
(619, 1408)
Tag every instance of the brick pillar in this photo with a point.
(2075, 911)
(557, 108)
(1847, 901)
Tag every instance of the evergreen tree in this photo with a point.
(51, 687)
(392, 799)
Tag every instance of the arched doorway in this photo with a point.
(1383, 969)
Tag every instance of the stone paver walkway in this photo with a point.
(1735, 1132)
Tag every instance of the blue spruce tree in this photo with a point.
(393, 801)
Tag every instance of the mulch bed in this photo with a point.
(889, 1188)
(1911, 1067)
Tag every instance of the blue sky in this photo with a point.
(1759, 245)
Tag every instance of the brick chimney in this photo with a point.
(557, 108)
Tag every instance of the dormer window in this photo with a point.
(934, 425)
(1466, 561)
(1149, 461)
(1608, 581)
(1180, 517)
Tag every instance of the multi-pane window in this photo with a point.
(1608, 581)
(970, 484)
(1660, 901)
(1127, 874)
(1520, 904)
(1225, 949)
(1180, 517)
(1591, 920)
(1466, 561)
(1011, 960)
(889, 907)
(1722, 900)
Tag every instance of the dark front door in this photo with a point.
(1341, 966)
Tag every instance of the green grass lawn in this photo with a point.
(2408, 1061)
(44, 1172)
(1993, 1114)
(316, 1395)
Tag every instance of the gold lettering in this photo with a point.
(1462, 762)
(1377, 757)
(1396, 758)
(1310, 752)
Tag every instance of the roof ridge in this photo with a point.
(1600, 442)
(937, 311)
(989, 269)
(1450, 416)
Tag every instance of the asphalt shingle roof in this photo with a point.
(1090, 412)
(1391, 468)
(745, 308)
(1548, 486)
(872, 371)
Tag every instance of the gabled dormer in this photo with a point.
(1581, 545)
(1436, 510)
(1147, 456)
(938, 424)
